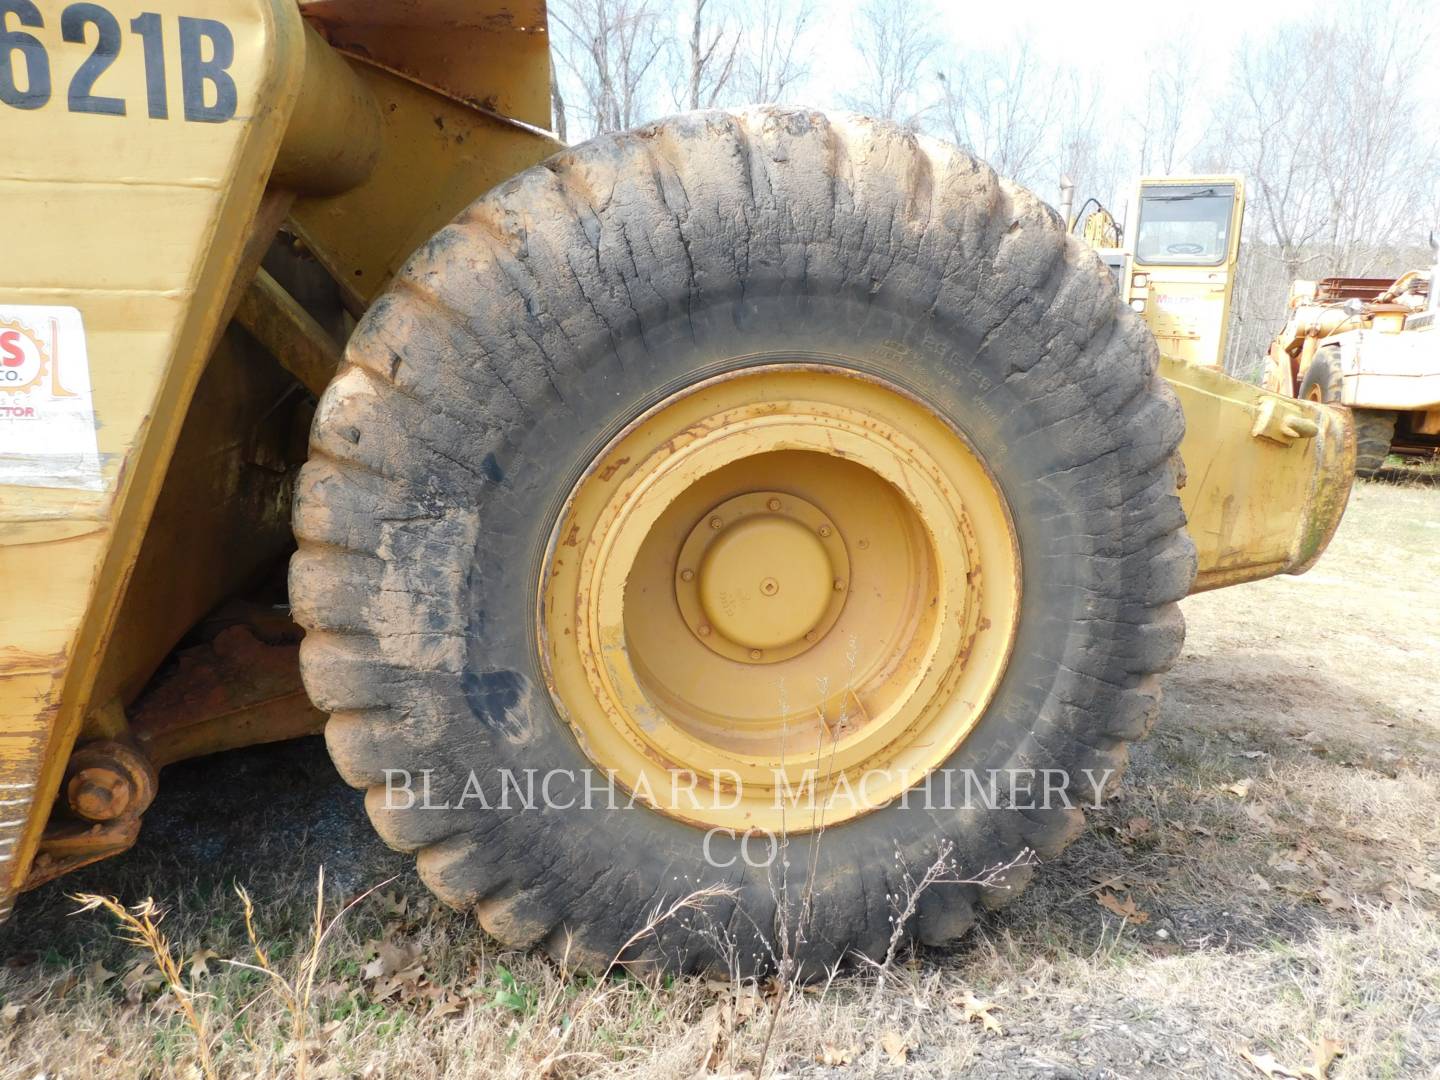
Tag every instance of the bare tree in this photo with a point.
(609, 49)
(1084, 145)
(998, 105)
(992, 105)
(1032, 121)
(772, 62)
(1326, 120)
(895, 44)
(557, 103)
(1171, 100)
(713, 48)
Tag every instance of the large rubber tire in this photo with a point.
(1322, 381)
(1374, 432)
(559, 307)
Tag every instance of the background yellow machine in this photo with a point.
(1369, 344)
(198, 202)
(1176, 266)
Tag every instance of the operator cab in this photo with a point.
(1182, 261)
(1184, 225)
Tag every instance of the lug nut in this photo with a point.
(839, 585)
(773, 504)
(769, 586)
(687, 575)
(716, 523)
(755, 654)
(703, 630)
(824, 530)
(810, 635)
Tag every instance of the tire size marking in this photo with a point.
(206, 50)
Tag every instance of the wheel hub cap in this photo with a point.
(761, 577)
(781, 585)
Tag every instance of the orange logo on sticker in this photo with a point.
(22, 357)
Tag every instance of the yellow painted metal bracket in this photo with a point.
(1267, 478)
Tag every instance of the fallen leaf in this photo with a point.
(1259, 817)
(141, 979)
(1126, 908)
(397, 957)
(295, 1047)
(894, 1045)
(1325, 1051)
(835, 1055)
(1240, 787)
(449, 1004)
(973, 1008)
(10, 1014)
(199, 966)
(395, 965)
(746, 1004)
(1334, 899)
(1137, 827)
(1267, 1064)
(96, 975)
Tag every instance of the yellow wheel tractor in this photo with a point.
(750, 480)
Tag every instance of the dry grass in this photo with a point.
(1276, 843)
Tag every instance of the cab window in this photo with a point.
(1186, 225)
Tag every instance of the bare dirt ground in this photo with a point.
(1267, 884)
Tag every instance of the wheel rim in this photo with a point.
(779, 599)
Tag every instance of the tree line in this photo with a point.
(1329, 118)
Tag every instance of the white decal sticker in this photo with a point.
(47, 419)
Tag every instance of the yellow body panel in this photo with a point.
(137, 222)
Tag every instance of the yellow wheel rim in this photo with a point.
(779, 599)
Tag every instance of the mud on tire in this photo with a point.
(560, 306)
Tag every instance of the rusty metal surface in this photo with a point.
(237, 690)
(493, 54)
(223, 515)
(288, 332)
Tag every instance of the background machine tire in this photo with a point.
(1374, 431)
(572, 302)
(1322, 380)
